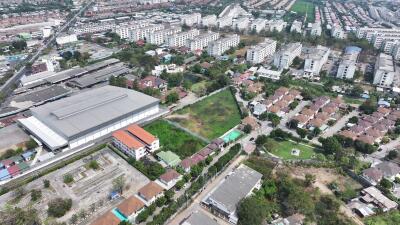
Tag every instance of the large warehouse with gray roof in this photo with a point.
(80, 119)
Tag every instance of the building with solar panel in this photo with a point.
(83, 118)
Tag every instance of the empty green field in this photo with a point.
(174, 139)
(283, 149)
(210, 117)
(303, 8)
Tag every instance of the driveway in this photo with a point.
(339, 124)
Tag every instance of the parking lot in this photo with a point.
(90, 189)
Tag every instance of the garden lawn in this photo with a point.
(283, 149)
(210, 117)
(303, 7)
(174, 139)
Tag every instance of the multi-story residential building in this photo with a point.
(209, 21)
(218, 47)
(124, 29)
(143, 32)
(338, 33)
(224, 22)
(160, 36)
(385, 71)
(258, 25)
(201, 41)
(315, 58)
(396, 52)
(347, 66)
(284, 58)
(179, 39)
(276, 25)
(368, 32)
(296, 26)
(191, 19)
(316, 29)
(385, 39)
(241, 24)
(257, 54)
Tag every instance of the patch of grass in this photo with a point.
(303, 7)
(283, 149)
(212, 116)
(199, 88)
(175, 139)
(384, 219)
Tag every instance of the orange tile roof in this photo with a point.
(150, 190)
(143, 135)
(130, 206)
(127, 139)
(106, 219)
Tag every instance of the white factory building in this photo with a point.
(84, 118)
(257, 54)
(315, 58)
(284, 58)
(385, 71)
(179, 39)
(218, 47)
(348, 64)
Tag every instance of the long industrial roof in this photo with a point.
(234, 188)
(87, 111)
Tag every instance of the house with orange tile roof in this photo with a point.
(130, 208)
(366, 139)
(152, 143)
(128, 144)
(348, 134)
(106, 219)
(169, 179)
(150, 193)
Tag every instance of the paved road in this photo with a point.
(339, 124)
(14, 80)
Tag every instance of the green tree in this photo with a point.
(46, 183)
(93, 164)
(247, 128)
(331, 145)
(36, 195)
(385, 183)
(251, 211)
(68, 178)
(310, 179)
(58, 207)
(118, 184)
(301, 132)
(172, 97)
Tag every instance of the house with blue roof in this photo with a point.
(28, 155)
(4, 175)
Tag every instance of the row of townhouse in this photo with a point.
(258, 53)
(372, 128)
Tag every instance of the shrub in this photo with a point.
(68, 178)
(58, 207)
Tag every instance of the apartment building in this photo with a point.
(315, 58)
(143, 32)
(368, 32)
(385, 71)
(338, 33)
(316, 29)
(124, 29)
(209, 21)
(276, 25)
(258, 25)
(257, 54)
(218, 47)
(241, 24)
(284, 58)
(191, 19)
(348, 64)
(179, 39)
(160, 36)
(296, 26)
(223, 22)
(201, 41)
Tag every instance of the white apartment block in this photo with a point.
(179, 39)
(209, 21)
(314, 60)
(224, 22)
(159, 37)
(91, 28)
(385, 71)
(396, 52)
(296, 26)
(123, 30)
(284, 58)
(143, 32)
(191, 19)
(316, 29)
(257, 54)
(258, 25)
(368, 32)
(201, 41)
(379, 39)
(347, 66)
(241, 24)
(217, 48)
(276, 25)
(338, 33)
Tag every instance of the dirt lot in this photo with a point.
(90, 188)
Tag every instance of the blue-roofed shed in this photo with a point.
(27, 155)
(4, 175)
(383, 103)
(353, 49)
